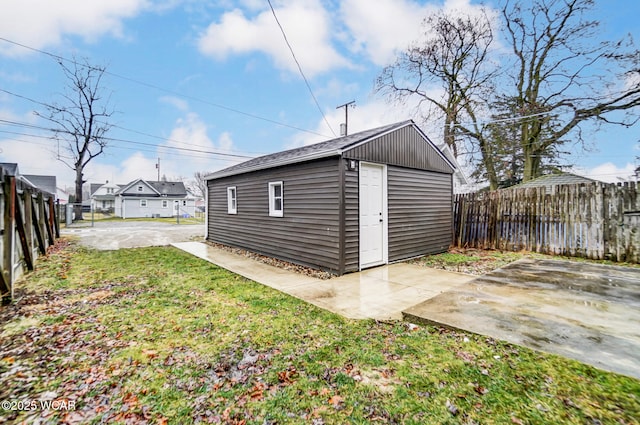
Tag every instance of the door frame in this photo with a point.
(385, 217)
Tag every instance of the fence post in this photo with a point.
(9, 194)
(27, 251)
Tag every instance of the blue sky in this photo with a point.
(217, 76)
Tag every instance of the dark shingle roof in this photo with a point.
(95, 186)
(46, 183)
(169, 188)
(9, 168)
(550, 180)
(325, 149)
(164, 188)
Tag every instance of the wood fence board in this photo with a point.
(27, 252)
(595, 220)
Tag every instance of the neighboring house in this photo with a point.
(550, 181)
(142, 198)
(358, 201)
(44, 183)
(103, 196)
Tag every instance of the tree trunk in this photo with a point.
(78, 207)
(531, 165)
(487, 161)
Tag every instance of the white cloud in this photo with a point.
(380, 32)
(306, 23)
(191, 132)
(609, 172)
(41, 23)
(35, 156)
(176, 102)
(363, 117)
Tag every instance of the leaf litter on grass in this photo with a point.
(167, 338)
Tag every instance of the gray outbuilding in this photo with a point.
(358, 201)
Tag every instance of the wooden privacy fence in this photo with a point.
(30, 225)
(597, 221)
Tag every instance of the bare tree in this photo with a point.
(564, 76)
(451, 55)
(81, 120)
(558, 75)
(198, 186)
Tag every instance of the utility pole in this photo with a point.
(344, 130)
(158, 168)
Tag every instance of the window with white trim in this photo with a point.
(276, 199)
(143, 202)
(140, 188)
(232, 201)
(165, 203)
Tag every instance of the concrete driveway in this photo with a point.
(583, 311)
(111, 235)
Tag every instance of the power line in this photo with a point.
(112, 125)
(286, 40)
(159, 148)
(15, 123)
(175, 93)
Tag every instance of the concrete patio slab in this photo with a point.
(113, 235)
(584, 311)
(378, 293)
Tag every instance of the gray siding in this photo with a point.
(420, 212)
(352, 243)
(309, 231)
(404, 147)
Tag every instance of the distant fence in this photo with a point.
(597, 221)
(29, 227)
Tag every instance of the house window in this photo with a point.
(232, 203)
(276, 199)
(143, 202)
(184, 203)
(165, 203)
(139, 188)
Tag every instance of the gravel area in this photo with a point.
(308, 271)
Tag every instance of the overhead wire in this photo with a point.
(125, 129)
(172, 92)
(32, 126)
(286, 40)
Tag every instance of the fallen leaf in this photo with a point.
(480, 389)
(516, 421)
(150, 353)
(336, 400)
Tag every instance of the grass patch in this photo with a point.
(156, 335)
(479, 261)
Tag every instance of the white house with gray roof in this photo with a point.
(143, 198)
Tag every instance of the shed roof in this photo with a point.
(333, 147)
(555, 179)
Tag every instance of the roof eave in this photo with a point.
(274, 164)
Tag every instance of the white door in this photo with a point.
(373, 215)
